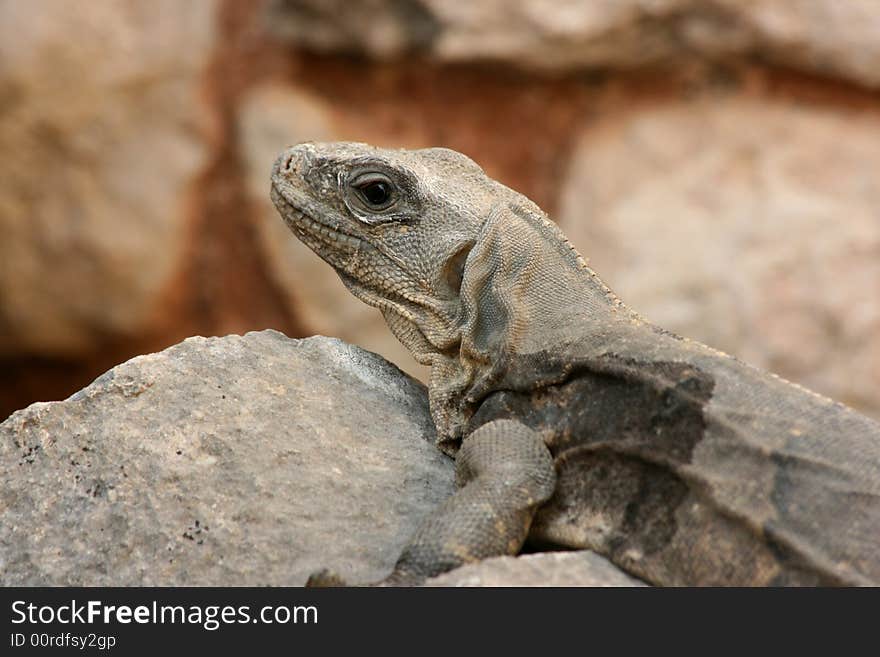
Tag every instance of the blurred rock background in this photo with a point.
(718, 161)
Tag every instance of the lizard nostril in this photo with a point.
(287, 164)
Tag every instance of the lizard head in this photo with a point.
(468, 273)
(396, 225)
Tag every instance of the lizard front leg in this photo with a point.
(503, 472)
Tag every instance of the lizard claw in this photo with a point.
(325, 578)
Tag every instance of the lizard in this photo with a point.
(574, 422)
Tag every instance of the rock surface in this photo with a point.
(100, 123)
(749, 224)
(825, 36)
(249, 460)
(582, 568)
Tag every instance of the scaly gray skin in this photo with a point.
(580, 424)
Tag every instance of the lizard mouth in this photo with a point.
(327, 241)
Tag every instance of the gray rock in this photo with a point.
(582, 568)
(221, 461)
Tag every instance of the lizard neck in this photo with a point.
(525, 294)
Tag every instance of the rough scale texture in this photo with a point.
(244, 460)
(680, 463)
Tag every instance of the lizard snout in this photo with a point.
(294, 161)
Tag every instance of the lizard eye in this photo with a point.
(376, 190)
(376, 193)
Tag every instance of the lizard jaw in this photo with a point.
(343, 251)
(335, 246)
